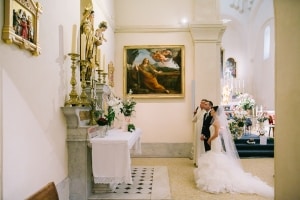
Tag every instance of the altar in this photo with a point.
(111, 163)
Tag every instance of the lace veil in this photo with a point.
(226, 138)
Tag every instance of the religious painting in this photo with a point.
(154, 71)
(229, 69)
(222, 61)
(21, 24)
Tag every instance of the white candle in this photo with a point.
(256, 110)
(243, 85)
(97, 55)
(261, 109)
(83, 46)
(103, 63)
(74, 39)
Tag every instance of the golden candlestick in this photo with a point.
(92, 112)
(83, 96)
(104, 77)
(73, 101)
(99, 71)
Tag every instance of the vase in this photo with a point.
(125, 123)
(240, 132)
(102, 131)
(261, 128)
(250, 112)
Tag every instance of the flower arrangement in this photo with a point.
(262, 117)
(108, 118)
(246, 101)
(236, 123)
(128, 106)
(102, 121)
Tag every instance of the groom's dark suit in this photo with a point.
(205, 129)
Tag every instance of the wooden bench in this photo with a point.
(48, 192)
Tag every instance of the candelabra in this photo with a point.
(99, 71)
(83, 96)
(93, 112)
(104, 74)
(73, 101)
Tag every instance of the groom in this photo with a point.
(207, 121)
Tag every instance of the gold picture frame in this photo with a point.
(154, 71)
(21, 24)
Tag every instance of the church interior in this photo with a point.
(221, 50)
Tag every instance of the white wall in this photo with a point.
(162, 120)
(33, 90)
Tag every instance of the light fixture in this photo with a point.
(241, 5)
(184, 21)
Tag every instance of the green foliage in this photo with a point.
(110, 116)
(128, 106)
(236, 126)
(131, 127)
(247, 102)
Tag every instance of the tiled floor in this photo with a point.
(149, 183)
(173, 179)
(142, 178)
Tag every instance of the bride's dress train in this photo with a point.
(218, 173)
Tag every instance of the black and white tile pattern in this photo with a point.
(148, 183)
(142, 181)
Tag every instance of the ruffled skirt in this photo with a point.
(216, 173)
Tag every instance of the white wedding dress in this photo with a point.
(218, 173)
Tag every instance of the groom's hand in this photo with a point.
(202, 137)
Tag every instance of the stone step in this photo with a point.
(256, 153)
(254, 147)
(246, 149)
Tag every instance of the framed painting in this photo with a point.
(21, 24)
(154, 71)
(229, 69)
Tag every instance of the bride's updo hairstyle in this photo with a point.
(215, 108)
(218, 110)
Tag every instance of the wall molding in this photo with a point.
(166, 150)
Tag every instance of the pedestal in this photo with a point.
(79, 154)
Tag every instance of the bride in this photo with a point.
(219, 170)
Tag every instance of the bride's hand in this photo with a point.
(209, 142)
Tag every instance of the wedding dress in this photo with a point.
(218, 172)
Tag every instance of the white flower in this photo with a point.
(246, 101)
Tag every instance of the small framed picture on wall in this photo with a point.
(21, 24)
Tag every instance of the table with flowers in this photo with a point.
(111, 161)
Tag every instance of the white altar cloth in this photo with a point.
(111, 156)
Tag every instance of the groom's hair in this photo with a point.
(210, 103)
